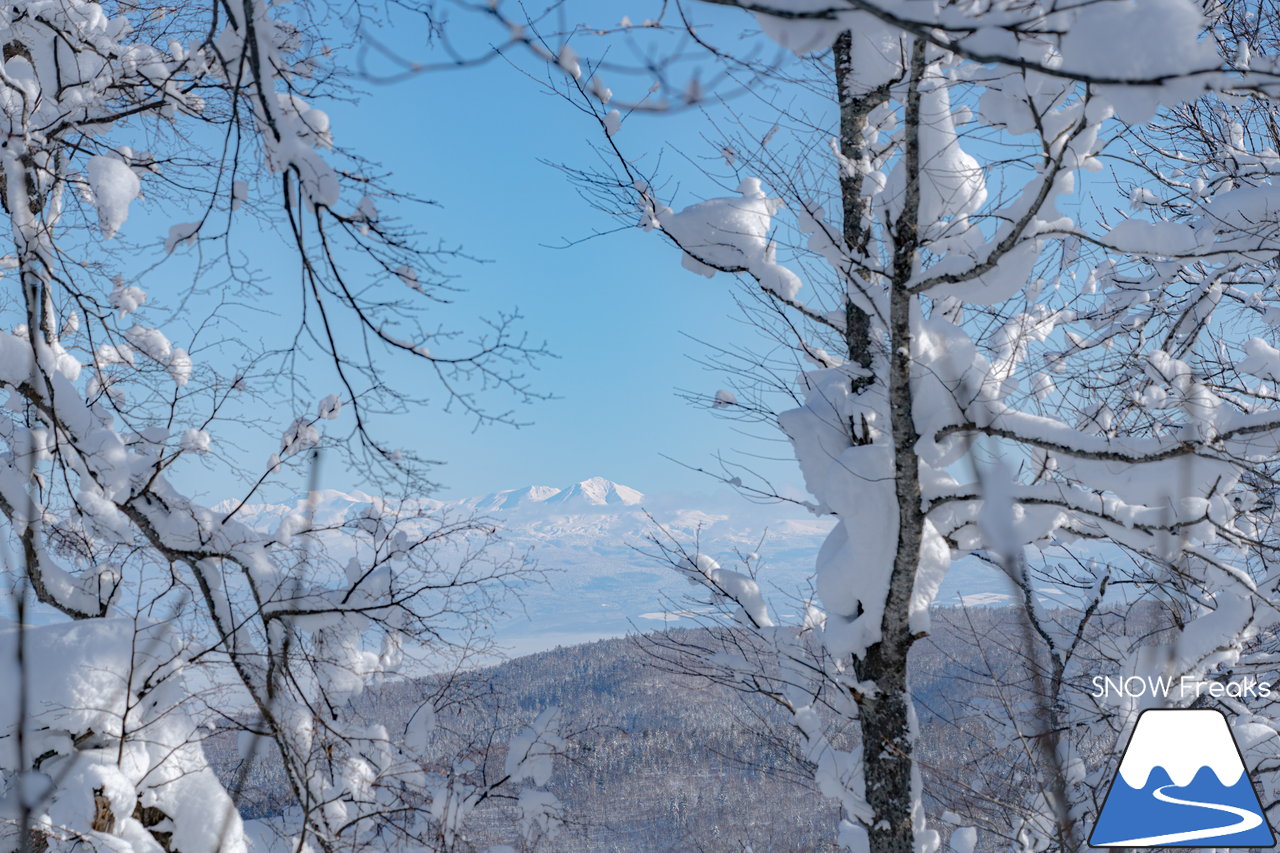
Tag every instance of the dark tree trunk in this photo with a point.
(885, 717)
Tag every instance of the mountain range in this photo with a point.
(590, 538)
(595, 492)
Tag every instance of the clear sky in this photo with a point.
(616, 309)
(619, 311)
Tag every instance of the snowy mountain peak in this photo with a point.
(1181, 742)
(598, 491)
(595, 492)
(540, 493)
(515, 498)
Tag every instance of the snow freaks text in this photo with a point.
(1174, 688)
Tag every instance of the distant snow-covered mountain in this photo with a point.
(590, 538)
(587, 495)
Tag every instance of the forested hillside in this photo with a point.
(663, 762)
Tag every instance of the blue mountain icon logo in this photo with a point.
(1182, 783)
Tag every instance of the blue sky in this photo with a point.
(616, 309)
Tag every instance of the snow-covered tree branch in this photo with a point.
(118, 402)
(992, 362)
